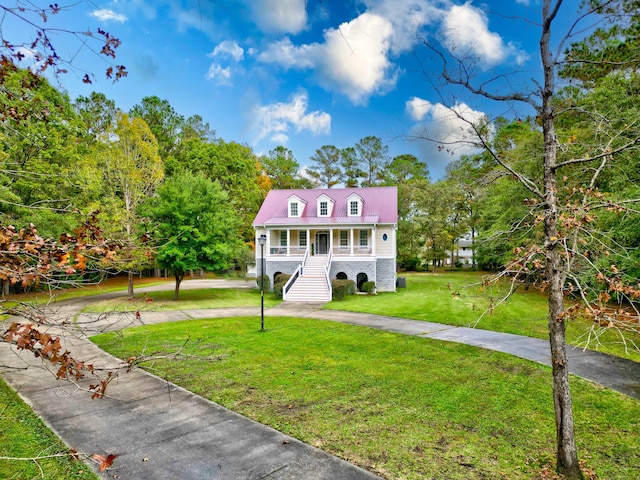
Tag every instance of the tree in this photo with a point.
(282, 168)
(132, 169)
(351, 167)
(163, 121)
(563, 210)
(196, 226)
(325, 170)
(373, 156)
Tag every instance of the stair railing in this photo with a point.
(298, 273)
(327, 269)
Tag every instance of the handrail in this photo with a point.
(327, 268)
(291, 281)
(304, 259)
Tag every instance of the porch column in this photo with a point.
(373, 240)
(331, 240)
(309, 242)
(351, 240)
(268, 242)
(288, 242)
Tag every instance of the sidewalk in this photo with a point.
(160, 431)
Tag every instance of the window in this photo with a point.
(364, 238)
(283, 238)
(353, 207)
(324, 209)
(303, 238)
(294, 209)
(344, 239)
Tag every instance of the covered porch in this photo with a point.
(340, 242)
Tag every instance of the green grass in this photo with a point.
(459, 298)
(24, 435)
(194, 299)
(401, 406)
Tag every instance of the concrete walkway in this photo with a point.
(160, 431)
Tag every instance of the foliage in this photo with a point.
(325, 170)
(373, 157)
(196, 227)
(243, 257)
(351, 167)
(279, 282)
(283, 170)
(369, 287)
(340, 288)
(263, 282)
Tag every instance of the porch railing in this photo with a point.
(298, 273)
(327, 269)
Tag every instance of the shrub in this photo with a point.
(349, 286)
(264, 280)
(338, 292)
(369, 287)
(281, 281)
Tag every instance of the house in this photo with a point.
(322, 234)
(462, 253)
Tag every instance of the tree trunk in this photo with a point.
(176, 292)
(130, 283)
(567, 455)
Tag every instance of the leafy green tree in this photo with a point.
(43, 172)
(325, 171)
(99, 115)
(196, 226)
(237, 169)
(283, 170)
(165, 123)
(373, 157)
(132, 169)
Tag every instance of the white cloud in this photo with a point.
(219, 75)
(279, 16)
(465, 29)
(276, 120)
(287, 55)
(353, 60)
(107, 15)
(417, 108)
(228, 49)
(446, 132)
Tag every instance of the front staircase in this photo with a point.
(311, 286)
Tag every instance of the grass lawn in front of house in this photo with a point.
(403, 407)
(460, 298)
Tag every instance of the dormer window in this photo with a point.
(296, 206)
(325, 206)
(354, 205)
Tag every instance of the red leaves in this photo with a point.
(49, 348)
(105, 461)
(26, 257)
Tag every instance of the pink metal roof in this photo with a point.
(379, 204)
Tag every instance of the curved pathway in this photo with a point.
(161, 431)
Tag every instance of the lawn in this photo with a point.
(189, 299)
(401, 406)
(460, 298)
(23, 434)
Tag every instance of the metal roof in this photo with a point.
(379, 206)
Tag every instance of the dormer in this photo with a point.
(295, 206)
(354, 205)
(325, 205)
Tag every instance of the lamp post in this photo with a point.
(262, 239)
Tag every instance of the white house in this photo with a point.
(322, 234)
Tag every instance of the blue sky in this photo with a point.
(306, 73)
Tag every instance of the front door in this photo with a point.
(322, 240)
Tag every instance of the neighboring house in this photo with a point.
(462, 253)
(322, 234)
